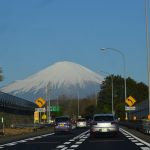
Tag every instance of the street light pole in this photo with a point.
(78, 104)
(124, 69)
(148, 53)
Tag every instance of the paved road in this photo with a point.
(79, 140)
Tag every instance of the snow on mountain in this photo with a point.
(62, 78)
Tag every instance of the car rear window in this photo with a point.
(81, 120)
(103, 118)
(62, 119)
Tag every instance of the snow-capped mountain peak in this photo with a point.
(60, 77)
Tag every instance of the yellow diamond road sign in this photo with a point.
(40, 102)
(130, 101)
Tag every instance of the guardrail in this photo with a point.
(140, 125)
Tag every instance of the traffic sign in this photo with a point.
(130, 108)
(36, 116)
(54, 108)
(130, 101)
(44, 117)
(40, 102)
(40, 109)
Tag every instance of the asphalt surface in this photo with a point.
(79, 139)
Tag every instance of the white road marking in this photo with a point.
(134, 141)
(82, 140)
(81, 135)
(128, 136)
(67, 142)
(140, 140)
(139, 144)
(78, 142)
(11, 144)
(71, 140)
(60, 146)
(25, 140)
(145, 148)
(64, 148)
(131, 138)
(22, 141)
(74, 146)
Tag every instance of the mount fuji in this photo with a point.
(62, 78)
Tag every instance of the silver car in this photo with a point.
(104, 124)
(81, 123)
(63, 124)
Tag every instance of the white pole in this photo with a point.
(78, 104)
(148, 52)
(112, 87)
(47, 104)
(3, 125)
(124, 69)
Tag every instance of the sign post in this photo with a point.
(130, 101)
(2, 120)
(40, 102)
(36, 117)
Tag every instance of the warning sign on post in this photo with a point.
(40, 102)
(130, 101)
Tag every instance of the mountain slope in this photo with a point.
(62, 78)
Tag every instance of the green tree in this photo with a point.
(137, 90)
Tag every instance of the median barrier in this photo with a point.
(142, 125)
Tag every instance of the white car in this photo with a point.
(81, 123)
(104, 124)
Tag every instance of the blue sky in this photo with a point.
(37, 33)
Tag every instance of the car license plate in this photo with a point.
(104, 130)
(61, 125)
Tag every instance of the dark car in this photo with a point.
(63, 124)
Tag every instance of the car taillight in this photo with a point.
(114, 122)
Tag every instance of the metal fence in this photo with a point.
(8, 101)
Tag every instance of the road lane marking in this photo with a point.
(43, 142)
(131, 138)
(84, 136)
(82, 140)
(60, 146)
(71, 140)
(78, 142)
(22, 141)
(67, 143)
(11, 144)
(139, 144)
(64, 148)
(145, 148)
(140, 140)
(81, 135)
(74, 146)
(128, 136)
(134, 141)
(25, 140)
